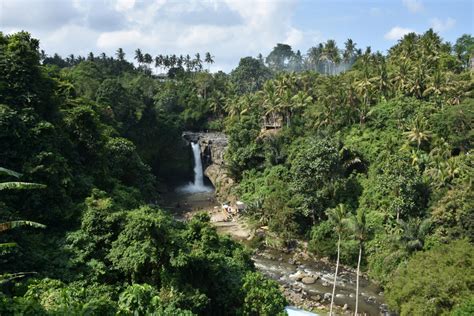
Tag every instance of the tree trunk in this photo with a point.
(335, 275)
(357, 283)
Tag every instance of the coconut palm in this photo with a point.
(139, 56)
(413, 233)
(120, 54)
(198, 62)
(337, 217)
(418, 133)
(358, 227)
(349, 51)
(314, 57)
(209, 59)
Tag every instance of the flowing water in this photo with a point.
(276, 264)
(281, 267)
(198, 185)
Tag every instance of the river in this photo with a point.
(307, 282)
(284, 268)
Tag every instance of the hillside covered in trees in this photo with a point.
(367, 157)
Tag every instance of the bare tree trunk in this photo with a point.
(335, 275)
(357, 283)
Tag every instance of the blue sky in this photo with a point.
(229, 29)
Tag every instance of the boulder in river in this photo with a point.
(316, 298)
(297, 276)
(308, 280)
(327, 296)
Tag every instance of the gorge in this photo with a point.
(306, 280)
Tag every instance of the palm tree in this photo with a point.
(358, 227)
(418, 134)
(120, 54)
(147, 59)
(188, 62)
(139, 56)
(173, 61)
(314, 57)
(337, 217)
(349, 51)
(413, 233)
(330, 53)
(209, 60)
(72, 59)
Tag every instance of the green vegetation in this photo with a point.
(367, 157)
(373, 166)
(103, 137)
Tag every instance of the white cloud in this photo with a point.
(294, 37)
(124, 5)
(113, 40)
(413, 6)
(229, 29)
(397, 32)
(440, 26)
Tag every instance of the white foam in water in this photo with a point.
(198, 185)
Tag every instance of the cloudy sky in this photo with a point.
(229, 29)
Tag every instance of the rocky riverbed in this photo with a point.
(308, 282)
(305, 280)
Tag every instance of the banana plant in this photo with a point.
(18, 185)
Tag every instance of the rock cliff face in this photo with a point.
(213, 147)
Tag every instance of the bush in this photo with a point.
(262, 296)
(433, 282)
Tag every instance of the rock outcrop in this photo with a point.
(213, 147)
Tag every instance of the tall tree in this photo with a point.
(198, 62)
(337, 217)
(349, 51)
(279, 57)
(139, 56)
(464, 49)
(209, 59)
(358, 227)
(120, 54)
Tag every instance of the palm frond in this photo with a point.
(9, 172)
(20, 185)
(4, 278)
(7, 245)
(14, 224)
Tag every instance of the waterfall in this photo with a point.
(198, 174)
(198, 185)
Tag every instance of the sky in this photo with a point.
(229, 29)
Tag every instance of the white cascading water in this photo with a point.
(198, 185)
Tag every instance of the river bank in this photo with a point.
(305, 280)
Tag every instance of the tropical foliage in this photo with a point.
(366, 156)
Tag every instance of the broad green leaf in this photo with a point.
(14, 224)
(9, 172)
(20, 185)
